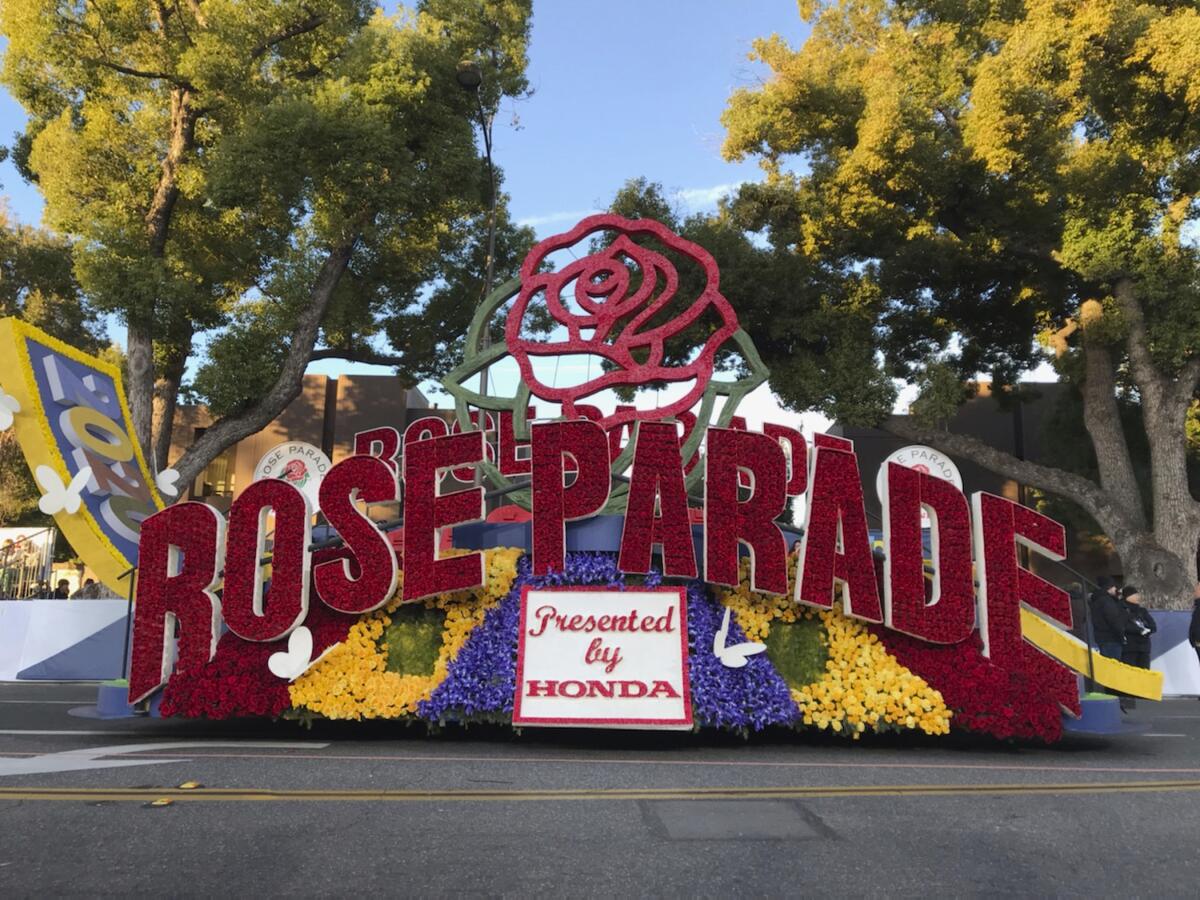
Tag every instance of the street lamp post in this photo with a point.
(470, 78)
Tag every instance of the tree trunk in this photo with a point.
(1102, 418)
(1165, 562)
(1152, 562)
(1159, 569)
(139, 363)
(140, 334)
(166, 393)
(232, 428)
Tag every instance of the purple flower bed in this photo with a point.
(750, 698)
(481, 681)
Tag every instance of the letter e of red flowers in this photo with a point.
(425, 511)
(1000, 525)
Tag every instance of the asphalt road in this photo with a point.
(281, 811)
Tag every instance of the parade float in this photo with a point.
(643, 577)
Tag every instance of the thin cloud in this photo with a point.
(692, 199)
(561, 216)
(697, 198)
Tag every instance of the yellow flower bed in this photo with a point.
(352, 681)
(863, 686)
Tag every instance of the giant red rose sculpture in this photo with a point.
(624, 303)
(628, 310)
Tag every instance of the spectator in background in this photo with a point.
(1139, 625)
(62, 590)
(1194, 628)
(1108, 618)
(86, 591)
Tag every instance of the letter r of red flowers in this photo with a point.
(180, 555)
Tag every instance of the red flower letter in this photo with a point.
(180, 556)
(657, 480)
(425, 511)
(553, 502)
(728, 520)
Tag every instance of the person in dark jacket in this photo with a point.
(1139, 625)
(1108, 618)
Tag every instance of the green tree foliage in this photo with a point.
(37, 284)
(974, 174)
(813, 342)
(278, 176)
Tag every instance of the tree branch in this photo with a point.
(232, 428)
(1090, 496)
(313, 22)
(1187, 382)
(138, 73)
(1150, 381)
(369, 357)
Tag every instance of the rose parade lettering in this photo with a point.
(184, 551)
(618, 635)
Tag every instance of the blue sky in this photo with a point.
(621, 89)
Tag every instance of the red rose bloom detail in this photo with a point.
(625, 322)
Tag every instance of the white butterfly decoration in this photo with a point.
(59, 497)
(290, 664)
(9, 407)
(736, 656)
(165, 482)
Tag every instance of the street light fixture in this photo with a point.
(470, 78)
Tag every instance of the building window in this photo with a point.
(217, 479)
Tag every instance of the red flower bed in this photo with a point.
(1003, 702)
(236, 681)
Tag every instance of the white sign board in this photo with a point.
(603, 657)
(923, 459)
(301, 465)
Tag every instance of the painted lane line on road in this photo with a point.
(52, 732)
(45, 702)
(218, 795)
(1162, 734)
(536, 760)
(89, 758)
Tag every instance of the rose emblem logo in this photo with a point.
(627, 308)
(295, 472)
(643, 305)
